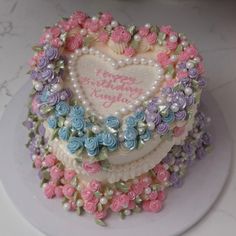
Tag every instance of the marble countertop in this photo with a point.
(210, 23)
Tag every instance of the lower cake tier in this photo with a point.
(146, 192)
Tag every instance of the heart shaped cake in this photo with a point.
(113, 117)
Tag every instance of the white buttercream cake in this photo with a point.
(114, 119)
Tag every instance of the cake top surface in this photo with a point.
(101, 86)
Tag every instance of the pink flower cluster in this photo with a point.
(188, 53)
(164, 59)
(162, 174)
(120, 35)
(52, 35)
(90, 201)
(74, 42)
(119, 202)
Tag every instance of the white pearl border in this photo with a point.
(116, 65)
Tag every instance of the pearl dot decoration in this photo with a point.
(73, 75)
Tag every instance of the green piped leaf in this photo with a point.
(137, 209)
(45, 174)
(179, 49)
(88, 41)
(97, 194)
(122, 215)
(100, 222)
(105, 165)
(134, 44)
(103, 155)
(100, 207)
(63, 36)
(161, 36)
(78, 211)
(45, 109)
(54, 134)
(122, 187)
(79, 152)
(170, 69)
(61, 121)
(132, 29)
(37, 48)
(155, 29)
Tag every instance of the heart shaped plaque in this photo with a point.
(107, 86)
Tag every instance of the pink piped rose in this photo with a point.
(69, 175)
(178, 131)
(91, 206)
(100, 214)
(171, 45)
(152, 206)
(152, 38)
(105, 19)
(155, 205)
(161, 173)
(163, 59)
(38, 162)
(86, 194)
(50, 160)
(58, 191)
(74, 42)
(79, 16)
(182, 74)
(55, 31)
(103, 36)
(56, 42)
(170, 83)
(183, 56)
(161, 195)
(146, 181)
(143, 31)
(129, 52)
(91, 168)
(120, 35)
(153, 195)
(93, 26)
(64, 25)
(115, 205)
(49, 190)
(124, 200)
(191, 51)
(56, 173)
(131, 195)
(72, 205)
(73, 23)
(95, 185)
(167, 29)
(131, 205)
(68, 190)
(137, 188)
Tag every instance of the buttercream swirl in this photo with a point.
(62, 108)
(112, 122)
(74, 144)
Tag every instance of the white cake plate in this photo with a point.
(183, 208)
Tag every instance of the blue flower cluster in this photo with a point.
(131, 134)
